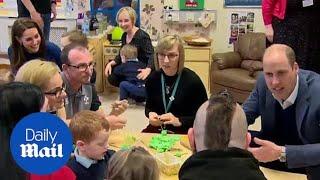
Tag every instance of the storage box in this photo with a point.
(168, 163)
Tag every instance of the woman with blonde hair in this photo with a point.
(174, 93)
(133, 163)
(47, 76)
(126, 18)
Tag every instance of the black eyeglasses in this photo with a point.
(171, 56)
(56, 91)
(83, 66)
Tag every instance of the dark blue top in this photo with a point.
(129, 71)
(94, 172)
(286, 130)
(52, 53)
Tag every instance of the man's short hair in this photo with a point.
(289, 52)
(86, 124)
(66, 50)
(220, 112)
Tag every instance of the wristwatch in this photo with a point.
(283, 155)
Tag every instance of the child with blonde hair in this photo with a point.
(133, 163)
(131, 86)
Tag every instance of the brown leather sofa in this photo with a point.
(237, 71)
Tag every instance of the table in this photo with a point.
(117, 138)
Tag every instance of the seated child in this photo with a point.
(90, 133)
(133, 163)
(131, 87)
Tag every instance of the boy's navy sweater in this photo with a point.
(129, 71)
(94, 172)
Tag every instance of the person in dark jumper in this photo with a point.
(131, 87)
(90, 133)
(285, 98)
(126, 18)
(17, 100)
(174, 93)
(219, 139)
(27, 42)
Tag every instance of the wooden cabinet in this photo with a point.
(198, 59)
(96, 48)
(109, 53)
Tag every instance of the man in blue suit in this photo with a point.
(287, 100)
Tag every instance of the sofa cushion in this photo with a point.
(251, 66)
(227, 60)
(235, 78)
(251, 46)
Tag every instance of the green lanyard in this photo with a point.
(171, 98)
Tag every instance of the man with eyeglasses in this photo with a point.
(81, 95)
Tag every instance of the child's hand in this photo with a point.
(144, 73)
(118, 107)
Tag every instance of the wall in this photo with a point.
(152, 21)
(221, 32)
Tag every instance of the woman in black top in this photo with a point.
(126, 18)
(174, 93)
(17, 100)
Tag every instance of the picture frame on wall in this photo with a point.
(191, 4)
(242, 3)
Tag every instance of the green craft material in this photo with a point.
(163, 142)
(178, 154)
(129, 140)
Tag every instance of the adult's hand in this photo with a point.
(53, 11)
(144, 73)
(267, 152)
(116, 122)
(108, 69)
(36, 17)
(154, 119)
(269, 32)
(118, 107)
(169, 118)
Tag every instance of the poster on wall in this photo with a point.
(242, 3)
(191, 4)
(110, 8)
(240, 23)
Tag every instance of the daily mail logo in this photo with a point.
(41, 143)
(32, 150)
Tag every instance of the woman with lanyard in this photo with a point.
(174, 93)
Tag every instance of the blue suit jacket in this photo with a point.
(261, 102)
